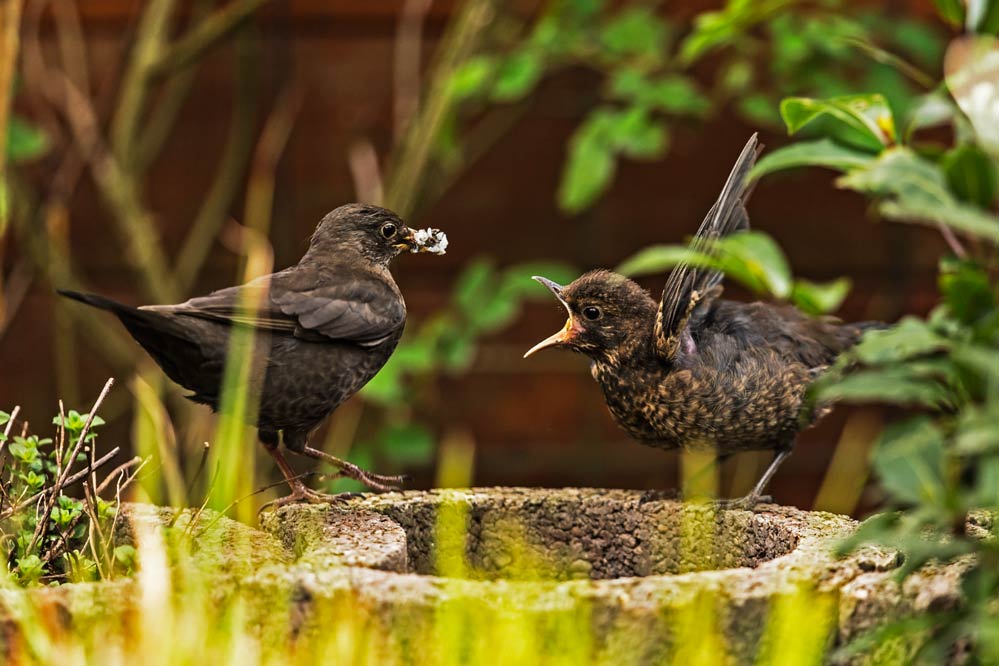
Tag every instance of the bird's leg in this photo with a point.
(297, 441)
(756, 495)
(299, 491)
(351, 471)
(661, 495)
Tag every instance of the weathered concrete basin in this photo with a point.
(629, 573)
(568, 575)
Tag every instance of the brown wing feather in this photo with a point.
(358, 309)
(689, 286)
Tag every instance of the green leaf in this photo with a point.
(588, 170)
(25, 142)
(899, 385)
(671, 93)
(30, 569)
(754, 259)
(909, 459)
(759, 108)
(979, 359)
(4, 417)
(988, 24)
(971, 175)
(868, 116)
(822, 153)
(952, 11)
(409, 444)
(634, 31)
(713, 30)
(916, 191)
(477, 280)
(636, 134)
(659, 258)
(751, 257)
(517, 76)
(909, 338)
(471, 78)
(819, 298)
(966, 289)
(977, 432)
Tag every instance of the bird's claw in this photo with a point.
(380, 482)
(747, 503)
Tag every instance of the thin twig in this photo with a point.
(201, 466)
(17, 288)
(10, 424)
(60, 482)
(952, 241)
(406, 65)
(231, 169)
(10, 21)
(205, 35)
(163, 115)
(61, 440)
(118, 470)
(464, 32)
(154, 26)
(878, 54)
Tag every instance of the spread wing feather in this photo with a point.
(688, 285)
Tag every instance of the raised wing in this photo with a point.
(688, 285)
(359, 308)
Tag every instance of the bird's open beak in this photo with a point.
(567, 332)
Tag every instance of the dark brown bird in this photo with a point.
(324, 328)
(695, 371)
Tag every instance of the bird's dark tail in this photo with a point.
(95, 301)
(168, 341)
(136, 320)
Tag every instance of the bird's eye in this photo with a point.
(388, 230)
(592, 312)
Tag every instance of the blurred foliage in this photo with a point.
(940, 465)
(485, 299)
(751, 258)
(758, 52)
(25, 142)
(645, 60)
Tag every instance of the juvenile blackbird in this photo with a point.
(325, 327)
(695, 371)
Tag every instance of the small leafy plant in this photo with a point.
(939, 466)
(47, 535)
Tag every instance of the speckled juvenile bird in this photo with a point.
(695, 371)
(325, 326)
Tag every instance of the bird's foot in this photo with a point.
(349, 470)
(301, 493)
(747, 503)
(382, 482)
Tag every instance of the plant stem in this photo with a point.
(406, 178)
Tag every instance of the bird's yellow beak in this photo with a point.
(406, 241)
(567, 332)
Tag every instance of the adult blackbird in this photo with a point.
(695, 371)
(324, 327)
